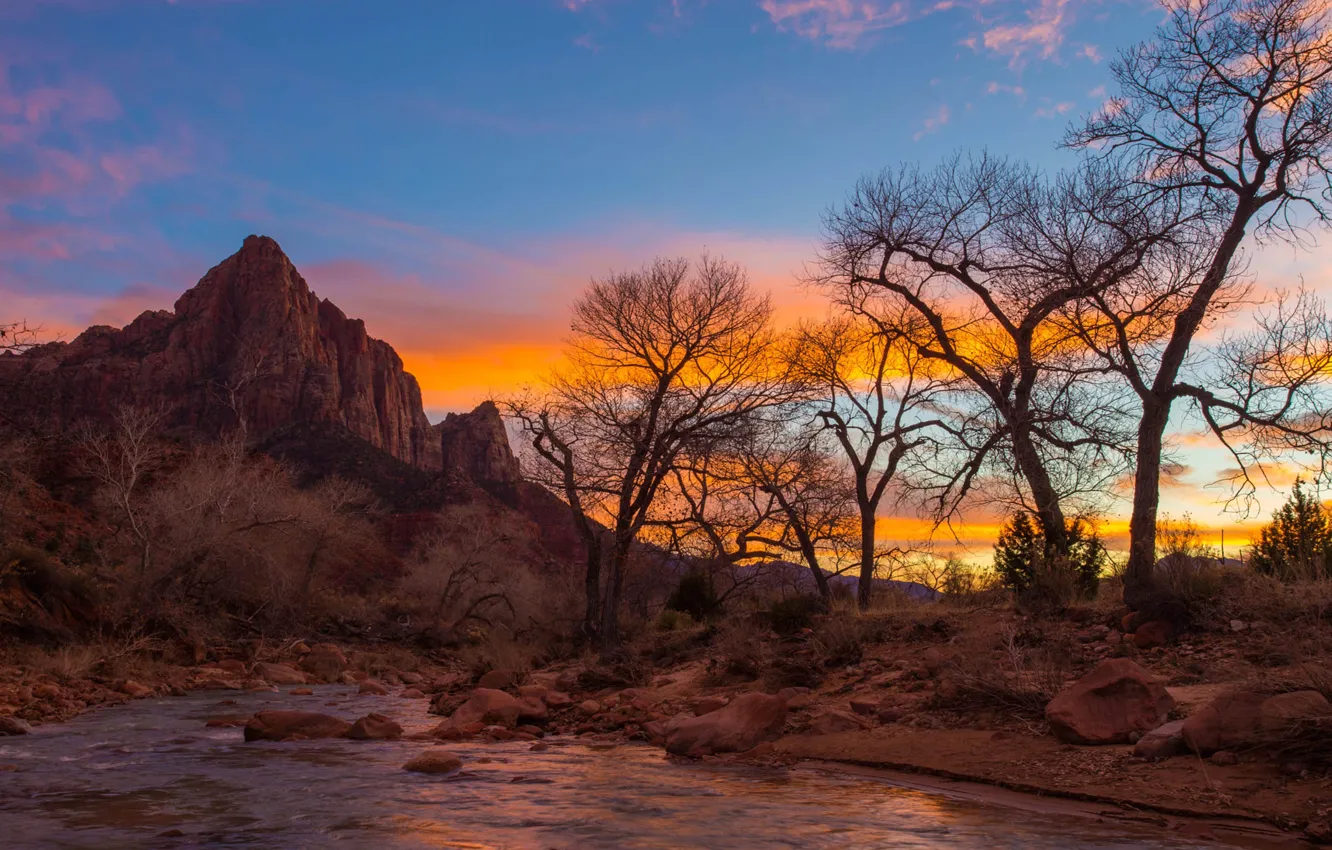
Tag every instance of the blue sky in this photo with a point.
(453, 171)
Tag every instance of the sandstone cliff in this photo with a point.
(249, 341)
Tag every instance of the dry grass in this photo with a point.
(1020, 682)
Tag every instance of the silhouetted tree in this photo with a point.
(661, 358)
(1227, 113)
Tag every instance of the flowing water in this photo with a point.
(149, 774)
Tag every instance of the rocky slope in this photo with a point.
(250, 341)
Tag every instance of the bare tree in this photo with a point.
(660, 358)
(17, 337)
(967, 267)
(123, 460)
(881, 400)
(770, 491)
(1228, 112)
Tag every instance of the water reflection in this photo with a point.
(148, 774)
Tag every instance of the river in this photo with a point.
(149, 774)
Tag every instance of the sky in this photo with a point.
(453, 171)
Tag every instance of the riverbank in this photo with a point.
(957, 696)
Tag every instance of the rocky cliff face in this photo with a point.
(250, 342)
(477, 444)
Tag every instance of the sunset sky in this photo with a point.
(452, 171)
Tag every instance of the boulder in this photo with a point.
(372, 688)
(589, 707)
(567, 681)
(282, 725)
(746, 721)
(539, 692)
(558, 699)
(325, 662)
(229, 721)
(1279, 713)
(279, 674)
(301, 692)
(411, 693)
(1109, 704)
(1230, 720)
(703, 705)
(497, 680)
(374, 727)
(434, 760)
(1163, 742)
(134, 689)
(491, 707)
(1152, 634)
(865, 706)
(13, 726)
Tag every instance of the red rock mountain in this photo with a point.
(252, 339)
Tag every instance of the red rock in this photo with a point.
(434, 760)
(301, 692)
(704, 705)
(325, 662)
(374, 727)
(489, 706)
(281, 725)
(229, 721)
(589, 707)
(1153, 634)
(1230, 720)
(46, 690)
(747, 721)
(1108, 705)
(320, 366)
(1278, 713)
(279, 674)
(1165, 741)
(865, 706)
(533, 692)
(412, 693)
(134, 689)
(13, 726)
(832, 721)
(567, 681)
(557, 699)
(497, 680)
(373, 688)
(477, 444)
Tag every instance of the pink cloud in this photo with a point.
(1041, 34)
(934, 122)
(844, 24)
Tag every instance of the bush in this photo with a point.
(695, 596)
(1021, 684)
(1044, 579)
(1297, 545)
(791, 615)
(671, 620)
(839, 641)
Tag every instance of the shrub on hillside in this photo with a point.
(793, 614)
(695, 596)
(1043, 579)
(1297, 545)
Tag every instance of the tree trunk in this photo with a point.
(592, 588)
(610, 605)
(865, 587)
(1139, 576)
(1048, 510)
